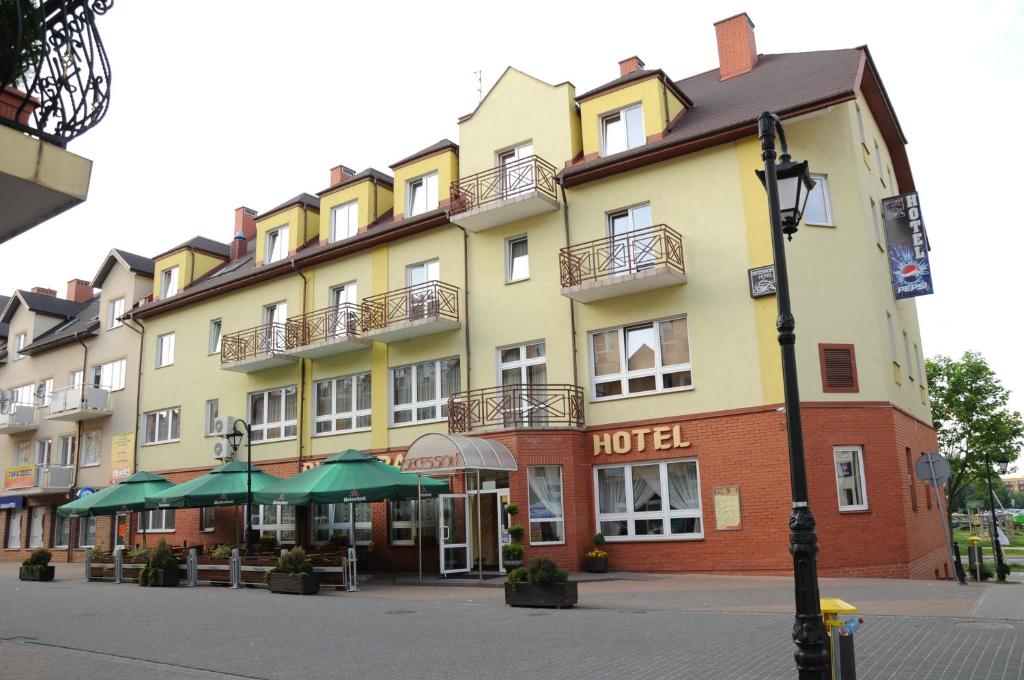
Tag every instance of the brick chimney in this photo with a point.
(39, 290)
(737, 53)
(79, 290)
(340, 173)
(245, 231)
(627, 66)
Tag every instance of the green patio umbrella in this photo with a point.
(126, 496)
(225, 485)
(349, 477)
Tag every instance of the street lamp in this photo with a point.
(1003, 463)
(997, 550)
(788, 184)
(234, 438)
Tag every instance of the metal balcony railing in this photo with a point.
(628, 253)
(430, 300)
(79, 398)
(516, 406)
(54, 72)
(54, 476)
(270, 338)
(506, 181)
(337, 322)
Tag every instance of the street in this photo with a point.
(651, 627)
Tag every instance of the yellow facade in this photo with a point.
(374, 199)
(191, 264)
(303, 224)
(445, 164)
(660, 107)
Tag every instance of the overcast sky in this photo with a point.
(221, 104)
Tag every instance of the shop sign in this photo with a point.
(908, 246)
(762, 281)
(383, 457)
(660, 438)
(446, 461)
(12, 502)
(122, 456)
(20, 477)
(727, 508)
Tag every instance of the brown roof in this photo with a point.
(303, 199)
(369, 173)
(429, 151)
(635, 76)
(203, 245)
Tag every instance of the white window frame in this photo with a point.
(67, 448)
(430, 202)
(216, 333)
(428, 527)
(510, 261)
(830, 221)
(621, 114)
(625, 375)
(277, 246)
(666, 515)
(165, 350)
(439, 400)
(285, 423)
(354, 414)
(207, 519)
(860, 126)
(116, 370)
(83, 530)
(858, 452)
(57, 534)
(211, 410)
(350, 211)
(337, 525)
(920, 364)
(23, 453)
(167, 415)
(149, 519)
(88, 438)
(910, 359)
(115, 310)
(169, 282)
(47, 391)
(893, 352)
(546, 520)
(24, 394)
(19, 344)
(76, 378)
(878, 162)
(879, 239)
(277, 526)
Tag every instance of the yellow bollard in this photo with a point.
(831, 609)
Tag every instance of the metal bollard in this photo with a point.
(88, 566)
(353, 573)
(192, 567)
(118, 567)
(235, 569)
(840, 647)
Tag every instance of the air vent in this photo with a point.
(838, 368)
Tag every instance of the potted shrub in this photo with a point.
(293, 574)
(512, 555)
(19, 57)
(37, 567)
(137, 555)
(339, 541)
(542, 584)
(161, 570)
(596, 561)
(266, 545)
(221, 552)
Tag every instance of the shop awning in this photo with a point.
(128, 495)
(225, 485)
(349, 477)
(436, 453)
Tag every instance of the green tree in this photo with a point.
(969, 408)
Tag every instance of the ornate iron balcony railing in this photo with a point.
(432, 299)
(270, 338)
(54, 71)
(506, 181)
(516, 407)
(338, 321)
(627, 253)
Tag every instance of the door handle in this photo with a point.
(444, 532)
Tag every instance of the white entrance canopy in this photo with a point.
(437, 453)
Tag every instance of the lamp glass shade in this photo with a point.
(795, 185)
(1003, 466)
(234, 439)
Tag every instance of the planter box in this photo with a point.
(557, 595)
(164, 578)
(511, 564)
(10, 101)
(595, 565)
(44, 574)
(294, 584)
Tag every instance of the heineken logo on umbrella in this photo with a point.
(164, 503)
(280, 500)
(223, 500)
(355, 497)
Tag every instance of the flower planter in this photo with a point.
(595, 565)
(557, 595)
(294, 584)
(11, 99)
(44, 574)
(165, 578)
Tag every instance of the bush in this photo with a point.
(221, 552)
(516, 576)
(512, 551)
(38, 560)
(339, 540)
(543, 571)
(161, 557)
(516, 531)
(138, 554)
(292, 562)
(512, 509)
(599, 540)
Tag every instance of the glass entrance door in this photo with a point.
(120, 531)
(35, 535)
(502, 498)
(453, 536)
(632, 241)
(13, 529)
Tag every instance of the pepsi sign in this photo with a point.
(908, 246)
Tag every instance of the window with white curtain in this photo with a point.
(275, 520)
(419, 393)
(212, 411)
(335, 519)
(622, 130)
(658, 500)
(641, 359)
(276, 245)
(272, 414)
(517, 259)
(163, 425)
(164, 350)
(66, 447)
(850, 478)
(109, 376)
(342, 404)
(160, 520)
(23, 453)
(344, 221)
(421, 195)
(91, 447)
(547, 518)
(86, 532)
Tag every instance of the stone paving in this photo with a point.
(662, 627)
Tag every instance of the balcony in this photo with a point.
(423, 309)
(510, 192)
(333, 330)
(514, 407)
(637, 261)
(15, 418)
(257, 349)
(33, 479)
(58, 88)
(76, 404)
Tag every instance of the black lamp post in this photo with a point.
(997, 550)
(788, 185)
(234, 439)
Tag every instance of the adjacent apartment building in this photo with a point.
(68, 396)
(578, 280)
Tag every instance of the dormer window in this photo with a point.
(622, 130)
(168, 282)
(422, 194)
(116, 312)
(276, 245)
(344, 221)
(19, 343)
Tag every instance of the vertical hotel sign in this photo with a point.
(908, 246)
(122, 455)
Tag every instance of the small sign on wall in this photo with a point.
(762, 281)
(727, 508)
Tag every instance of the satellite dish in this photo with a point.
(5, 406)
(41, 391)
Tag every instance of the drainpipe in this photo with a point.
(85, 362)
(302, 371)
(572, 307)
(465, 277)
(374, 200)
(138, 417)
